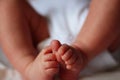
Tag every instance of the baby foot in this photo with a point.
(73, 61)
(45, 66)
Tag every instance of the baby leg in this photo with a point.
(44, 67)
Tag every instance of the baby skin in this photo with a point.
(44, 67)
(70, 59)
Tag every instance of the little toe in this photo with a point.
(67, 55)
(63, 49)
(71, 60)
(75, 66)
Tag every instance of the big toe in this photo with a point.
(55, 44)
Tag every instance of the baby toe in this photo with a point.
(55, 44)
(63, 49)
(67, 55)
(71, 60)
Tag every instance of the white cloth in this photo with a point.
(66, 17)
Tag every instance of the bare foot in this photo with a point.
(44, 67)
(71, 59)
